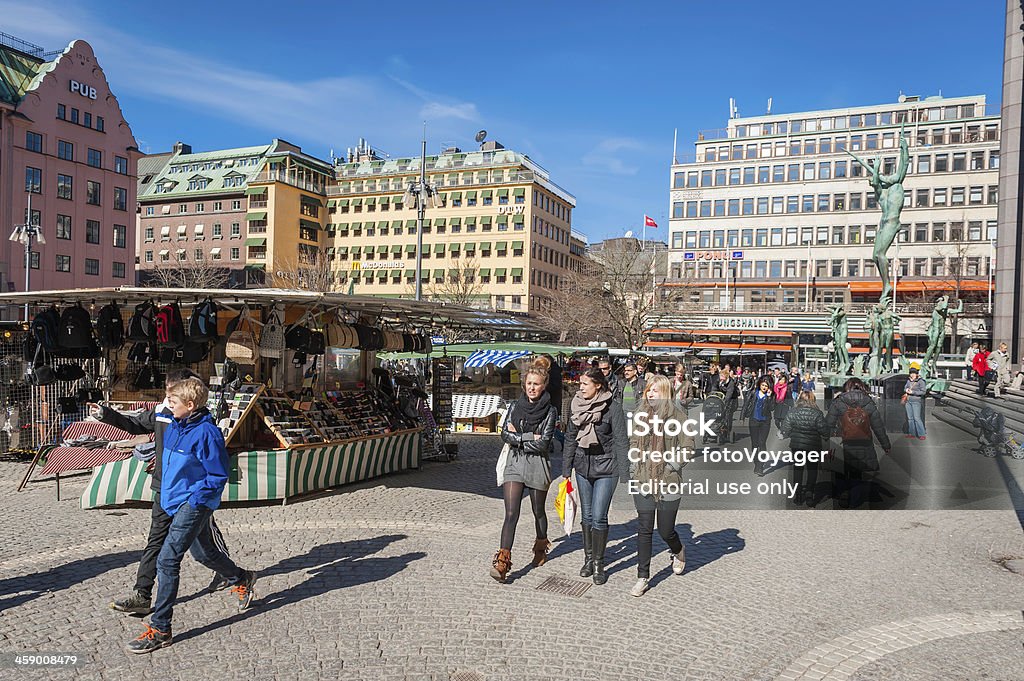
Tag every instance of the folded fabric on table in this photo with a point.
(130, 443)
(145, 451)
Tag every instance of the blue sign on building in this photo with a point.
(737, 255)
(690, 255)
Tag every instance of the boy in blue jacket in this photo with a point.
(195, 470)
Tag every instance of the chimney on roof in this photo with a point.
(491, 145)
(182, 148)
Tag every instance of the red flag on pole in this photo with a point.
(649, 221)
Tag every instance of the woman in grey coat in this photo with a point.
(528, 429)
(656, 480)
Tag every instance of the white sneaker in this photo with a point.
(640, 587)
(678, 564)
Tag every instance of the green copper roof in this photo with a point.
(17, 74)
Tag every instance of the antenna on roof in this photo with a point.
(769, 112)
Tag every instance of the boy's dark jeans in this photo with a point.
(191, 529)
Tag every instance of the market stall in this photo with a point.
(294, 387)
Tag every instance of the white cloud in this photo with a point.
(325, 111)
(610, 156)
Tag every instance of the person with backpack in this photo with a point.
(154, 420)
(854, 416)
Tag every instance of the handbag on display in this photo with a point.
(240, 338)
(272, 339)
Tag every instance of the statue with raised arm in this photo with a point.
(840, 334)
(937, 334)
(873, 325)
(889, 195)
(889, 321)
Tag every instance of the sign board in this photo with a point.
(438, 340)
(713, 255)
(743, 323)
(82, 89)
(378, 265)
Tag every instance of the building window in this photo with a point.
(218, 231)
(33, 180)
(63, 263)
(993, 194)
(61, 112)
(183, 208)
(957, 196)
(63, 226)
(120, 165)
(92, 266)
(65, 150)
(236, 205)
(118, 270)
(74, 119)
(149, 233)
(200, 207)
(310, 210)
(976, 196)
(236, 253)
(94, 157)
(308, 233)
(92, 231)
(34, 142)
(120, 198)
(64, 186)
(87, 120)
(121, 236)
(92, 192)
(236, 230)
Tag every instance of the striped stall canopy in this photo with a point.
(498, 358)
(273, 474)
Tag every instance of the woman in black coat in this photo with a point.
(730, 389)
(805, 427)
(855, 417)
(596, 446)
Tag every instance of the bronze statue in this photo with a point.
(840, 333)
(889, 320)
(873, 325)
(889, 195)
(937, 333)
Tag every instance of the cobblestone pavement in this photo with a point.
(388, 580)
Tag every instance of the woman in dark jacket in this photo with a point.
(730, 389)
(528, 430)
(854, 416)
(758, 410)
(596, 448)
(805, 427)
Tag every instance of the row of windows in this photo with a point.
(198, 231)
(937, 266)
(483, 250)
(357, 205)
(65, 188)
(921, 232)
(438, 226)
(869, 120)
(182, 255)
(201, 183)
(93, 229)
(66, 151)
(827, 170)
(214, 165)
(197, 208)
(85, 119)
(939, 197)
(438, 276)
(92, 265)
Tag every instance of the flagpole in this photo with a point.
(643, 244)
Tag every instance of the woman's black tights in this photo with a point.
(513, 492)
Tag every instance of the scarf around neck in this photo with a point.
(528, 416)
(586, 414)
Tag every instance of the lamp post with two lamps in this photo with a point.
(423, 194)
(25, 233)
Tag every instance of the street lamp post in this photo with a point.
(25, 233)
(421, 192)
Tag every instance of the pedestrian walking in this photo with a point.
(999, 364)
(980, 364)
(632, 387)
(528, 430)
(855, 417)
(805, 427)
(730, 389)
(596, 446)
(615, 384)
(154, 420)
(969, 359)
(195, 472)
(913, 400)
(758, 412)
(783, 391)
(658, 481)
(682, 388)
(709, 384)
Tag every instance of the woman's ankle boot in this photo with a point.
(588, 553)
(600, 542)
(540, 551)
(501, 564)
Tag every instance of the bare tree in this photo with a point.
(187, 274)
(958, 252)
(614, 297)
(461, 286)
(309, 273)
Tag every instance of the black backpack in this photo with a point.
(46, 329)
(170, 329)
(202, 325)
(75, 329)
(110, 327)
(142, 327)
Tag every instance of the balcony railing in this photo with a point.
(970, 309)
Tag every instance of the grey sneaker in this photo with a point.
(136, 604)
(678, 563)
(149, 641)
(219, 583)
(640, 587)
(243, 589)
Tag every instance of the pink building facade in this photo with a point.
(66, 148)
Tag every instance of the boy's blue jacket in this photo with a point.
(195, 463)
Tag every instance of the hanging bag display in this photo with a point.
(202, 325)
(75, 332)
(170, 328)
(272, 343)
(46, 329)
(110, 327)
(240, 339)
(142, 327)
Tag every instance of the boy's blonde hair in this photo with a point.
(190, 390)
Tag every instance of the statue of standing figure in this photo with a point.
(873, 325)
(937, 334)
(889, 195)
(889, 320)
(840, 334)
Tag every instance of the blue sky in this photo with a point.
(590, 90)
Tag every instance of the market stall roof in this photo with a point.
(397, 311)
(498, 358)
